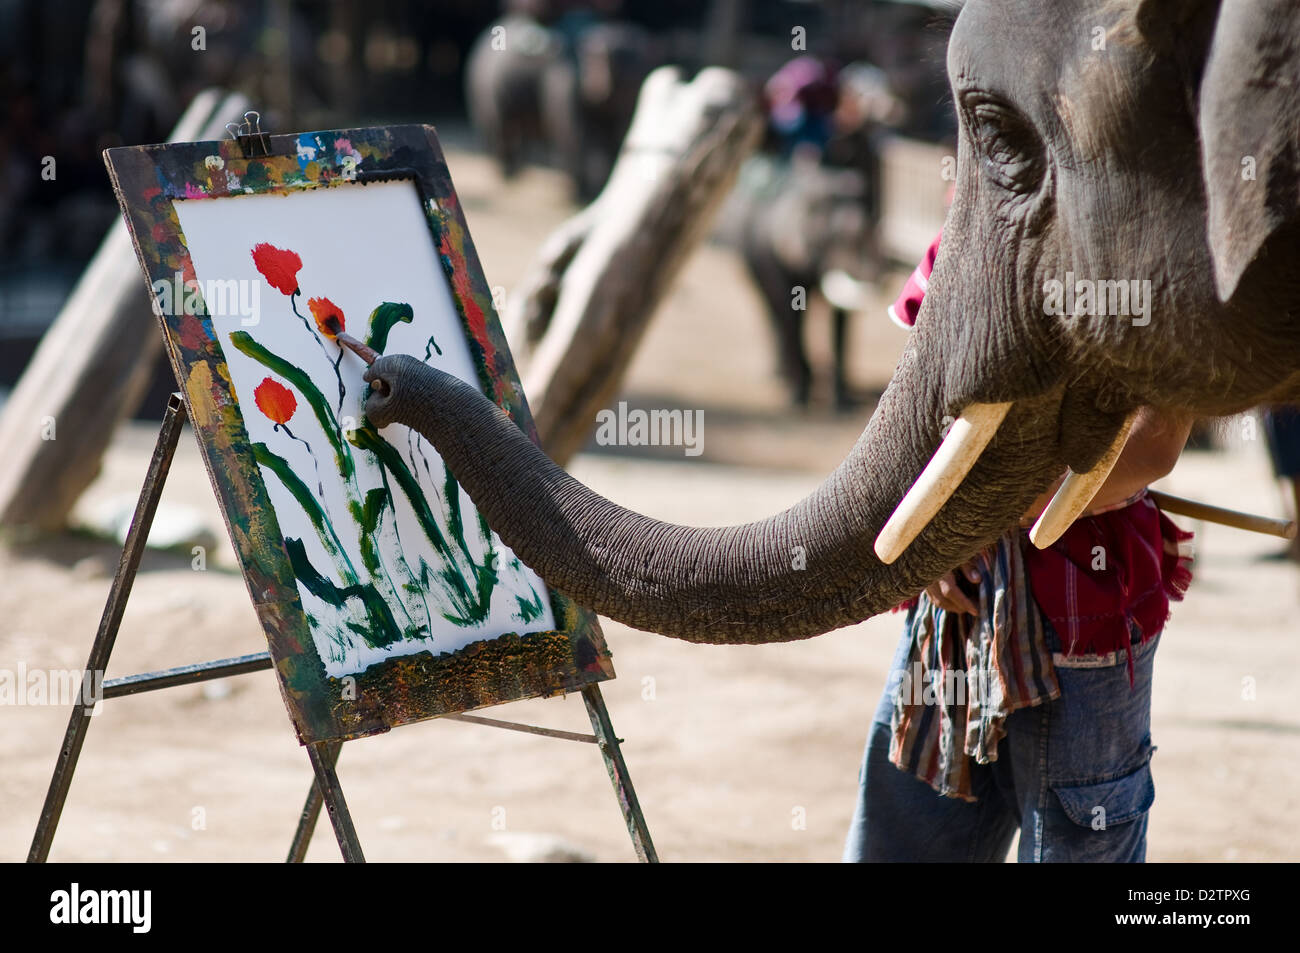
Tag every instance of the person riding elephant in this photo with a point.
(812, 217)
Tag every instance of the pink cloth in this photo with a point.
(903, 312)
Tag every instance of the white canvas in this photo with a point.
(360, 245)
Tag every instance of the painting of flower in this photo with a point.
(275, 400)
(389, 554)
(278, 266)
(328, 315)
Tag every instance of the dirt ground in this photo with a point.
(737, 753)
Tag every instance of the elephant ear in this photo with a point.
(1249, 117)
(1250, 132)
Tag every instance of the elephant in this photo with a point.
(588, 100)
(572, 86)
(807, 222)
(811, 227)
(504, 74)
(1151, 140)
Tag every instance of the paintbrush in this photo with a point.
(334, 328)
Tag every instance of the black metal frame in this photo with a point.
(325, 789)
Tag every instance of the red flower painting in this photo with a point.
(328, 315)
(278, 266)
(275, 400)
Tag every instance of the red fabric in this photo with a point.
(1094, 611)
(1108, 581)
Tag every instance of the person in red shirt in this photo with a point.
(1020, 694)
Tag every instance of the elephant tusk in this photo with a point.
(1076, 493)
(965, 441)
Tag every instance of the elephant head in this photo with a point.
(1101, 143)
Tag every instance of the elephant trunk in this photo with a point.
(791, 576)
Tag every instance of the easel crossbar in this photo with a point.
(186, 675)
(260, 661)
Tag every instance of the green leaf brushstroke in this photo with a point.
(367, 516)
(382, 320)
(455, 523)
(244, 342)
(529, 609)
(467, 610)
(368, 438)
(485, 575)
(417, 595)
(474, 605)
(300, 492)
(383, 629)
(325, 527)
(531, 606)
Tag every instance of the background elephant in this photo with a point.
(804, 222)
(808, 223)
(504, 73)
(589, 97)
(570, 86)
(1099, 141)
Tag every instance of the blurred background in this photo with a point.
(737, 753)
(79, 76)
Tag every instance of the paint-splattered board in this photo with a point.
(385, 598)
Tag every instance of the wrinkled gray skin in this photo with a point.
(1124, 163)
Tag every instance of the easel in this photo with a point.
(324, 755)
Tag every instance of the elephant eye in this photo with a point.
(1010, 150)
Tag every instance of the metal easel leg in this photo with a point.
(136, 537)
(622, 781)
(327, 783)
(311, 809)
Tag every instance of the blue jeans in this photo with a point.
(1282, 427)
(1072, 774)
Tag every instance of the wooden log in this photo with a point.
(92, 367)
(576, 320)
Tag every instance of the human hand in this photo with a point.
(947, 594)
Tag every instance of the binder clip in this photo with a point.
(253, 142)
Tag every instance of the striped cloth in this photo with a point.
(965, 674)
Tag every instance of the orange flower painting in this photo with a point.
(328, 315)
(275, 401)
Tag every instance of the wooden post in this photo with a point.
(92, 366)
(578, 317)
